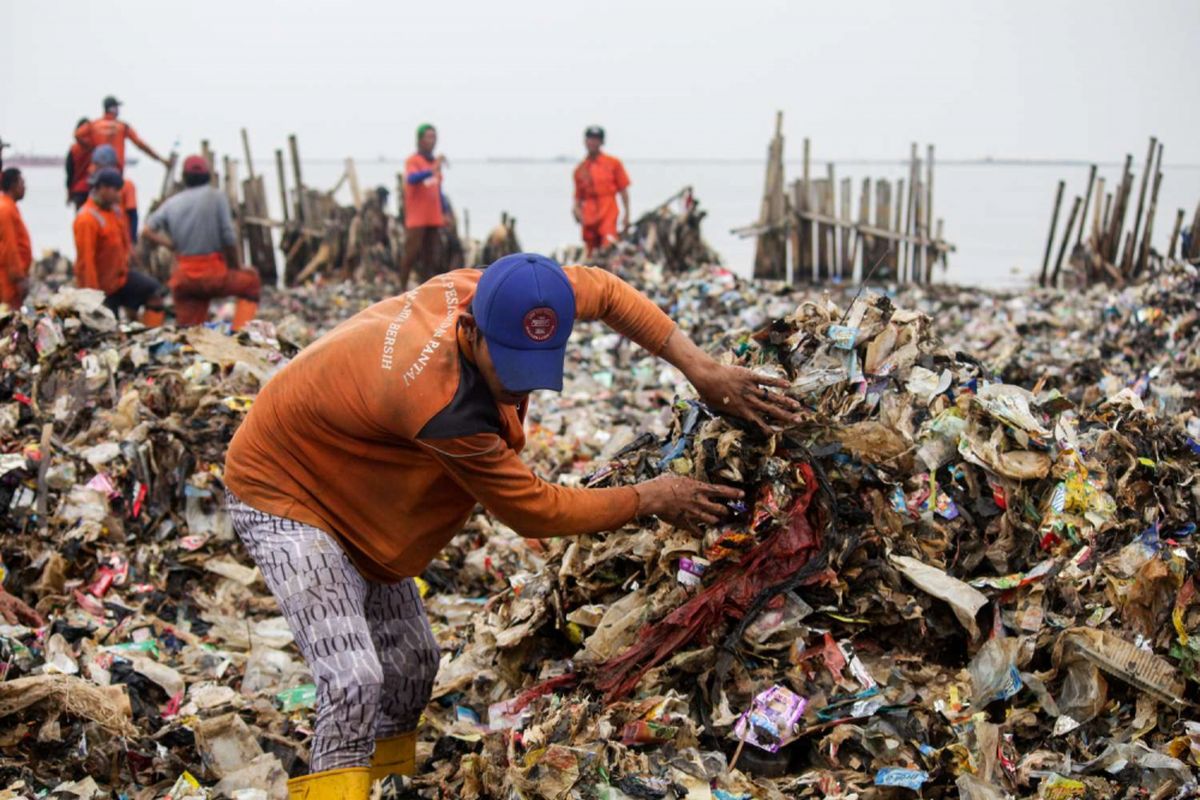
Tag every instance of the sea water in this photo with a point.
(996, 214)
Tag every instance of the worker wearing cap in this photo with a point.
(424, 212)
(79, 161)
(110, 130)
(599, 178)
(197, 225)
(106, 156)
(368, 452)
(103, 249)
(16, 254)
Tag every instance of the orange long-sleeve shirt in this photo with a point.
(16, 253)
(101, 248)
(597, 182)
(110, 130)
(384, 434)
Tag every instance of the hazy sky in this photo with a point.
(1038, 78)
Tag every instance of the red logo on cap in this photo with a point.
(541, 324)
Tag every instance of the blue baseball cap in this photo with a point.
(525, 307)
(109, 176)
(105, 156)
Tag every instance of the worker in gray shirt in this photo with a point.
(198, 226)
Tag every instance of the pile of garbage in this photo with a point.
(941, 581)
(967, 573)
(163, 659)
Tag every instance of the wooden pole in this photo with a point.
(846, 265)
(895, 257)
(1058, 195)
(910, 210)
(1098, 217)
(211, 158)
(941, 227)
(808, 263)
(168, 176)
(1179, 215)
(246, 151)
(1128, 266)
(296, 176)
(1144, 252)
(352, 177)
(1120, 197)
(1108, 209)
(883, 220)
(922, 234)
(1087, 199)
(861, 244)
(282, 176)
(769, 262)
(1062, 250)
(796, 268)
(231, 185)
(1194, 250)
(231, 194)
(929, 250)
(829, 209)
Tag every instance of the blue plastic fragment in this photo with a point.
(899, 776)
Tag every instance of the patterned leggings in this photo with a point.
(368, 645)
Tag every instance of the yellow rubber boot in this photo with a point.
(395, 755)
(351, 783)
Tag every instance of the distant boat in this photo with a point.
(28, 160)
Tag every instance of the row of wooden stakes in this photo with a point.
(1108, 251)
(317, 234)
(899, 241)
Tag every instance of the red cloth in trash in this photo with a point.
(774, 561)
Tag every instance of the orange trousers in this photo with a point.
(197, 280)
(601, 234)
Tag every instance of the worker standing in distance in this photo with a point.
(197, 225)
(110, 130)
(16, 254)
(367, 453)
(79, 161)
(599, 178)
(105, 156)
(424, 215)
(102, 251)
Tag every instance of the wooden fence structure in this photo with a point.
(1106, 249)
(894, 232)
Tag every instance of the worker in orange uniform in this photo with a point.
(110, 130)
(79, 160)
(16, 255)
(424, 211)
(102, 250)
(105, 156)
(197, 224)
(367, 453)
(599, 178)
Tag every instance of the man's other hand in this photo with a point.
(684, 502)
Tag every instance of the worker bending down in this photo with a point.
(103, 249)
(368, 452)
(197, 225)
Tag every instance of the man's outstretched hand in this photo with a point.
(16, 612)
(684, 502)
(743, 393)
(736, 391)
